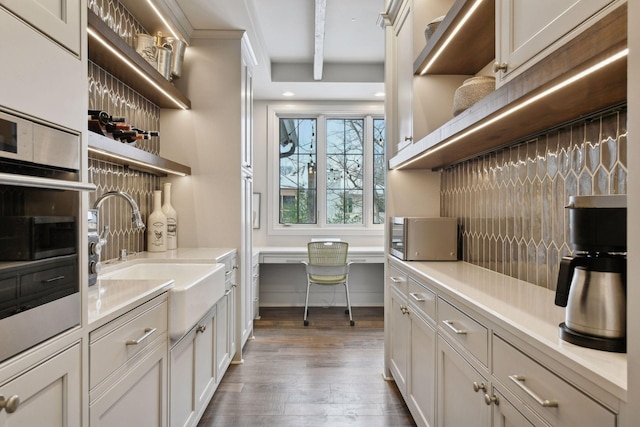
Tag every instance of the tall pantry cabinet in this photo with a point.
(215, 138)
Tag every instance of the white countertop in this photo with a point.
(110, 298)
(525, 310)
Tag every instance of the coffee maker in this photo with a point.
(592, 283)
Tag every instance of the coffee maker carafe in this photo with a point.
(592, 284)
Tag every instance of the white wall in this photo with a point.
(261, 127)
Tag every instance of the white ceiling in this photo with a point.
(281, 33)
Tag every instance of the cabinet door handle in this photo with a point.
(500, 66)
(416, 297)
(227, 292)
(491, 399)
(53, 279)
(201, 328)
(397, 279)
(11, 404)
(408, 138)
(147, 334)
(449, 324)
(519, 381)
(479, 386)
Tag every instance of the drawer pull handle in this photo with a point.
(147, 334)
(227, 292)
(201, 328)
(519, 381)
(53, 279)
(10, 404)
(449, 324)
(418, 298)
(397, 279)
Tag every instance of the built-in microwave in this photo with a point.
(40, 245)
(424, 239)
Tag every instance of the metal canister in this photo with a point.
(164, 61)
(177, 47)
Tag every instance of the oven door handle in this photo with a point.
(53, 184)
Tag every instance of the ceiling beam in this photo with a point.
(318, 54)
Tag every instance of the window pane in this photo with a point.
(379, 169)
(344, 178)
(298, 198)
(344, 207)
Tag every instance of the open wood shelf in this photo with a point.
(493, 122)
(470, 50)
(106, 148)
(118, 58)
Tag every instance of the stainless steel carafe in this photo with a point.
(592, 284)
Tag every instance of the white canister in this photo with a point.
(157, 226)
(147, 49)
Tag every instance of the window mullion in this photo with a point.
(368, 172)
(321, 174)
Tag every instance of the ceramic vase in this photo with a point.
(157, 226)
(172, 218)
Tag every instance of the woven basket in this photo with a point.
(472, 91)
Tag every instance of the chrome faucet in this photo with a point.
(136, 218)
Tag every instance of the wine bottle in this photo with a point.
(157, 226)
(172, 218)
(105, 117)
(146, 132)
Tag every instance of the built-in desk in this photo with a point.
(291, 254)
(283, 278)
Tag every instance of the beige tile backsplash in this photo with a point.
(510, 203)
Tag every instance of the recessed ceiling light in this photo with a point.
(379, 94)
(288, 93)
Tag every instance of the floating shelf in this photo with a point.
(117, 152)
(113, 54)
(470, 49)
(518, 109)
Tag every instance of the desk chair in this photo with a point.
(327, 266)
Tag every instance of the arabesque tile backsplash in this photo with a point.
(510, 203)
(109, 94)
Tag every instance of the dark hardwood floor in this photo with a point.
(326, 374)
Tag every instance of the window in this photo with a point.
(330, 171)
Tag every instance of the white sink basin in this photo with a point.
(196, 288)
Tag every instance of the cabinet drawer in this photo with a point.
(115, 343)
(398, 279)
(422, 298)
(555, 400)
(472, 335)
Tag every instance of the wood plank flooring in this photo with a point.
(326, 374)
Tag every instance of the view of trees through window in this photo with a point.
(342, 171)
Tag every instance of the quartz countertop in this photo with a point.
(110, 298)
(526, 311)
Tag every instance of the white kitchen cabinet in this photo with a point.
(528, 31)
(193, 371)
(246, 259)
(403, 47)
(256, 286)
(421, 377)
(549, 396)
(461, 390)
(49, 394)
(223, 353)
(507, 415)
(57, 19)
(36, 62)
(400, 328)
(128, 368)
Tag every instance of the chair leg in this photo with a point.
(346, 288)
(306, 305)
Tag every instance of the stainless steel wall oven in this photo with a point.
(40, 246)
